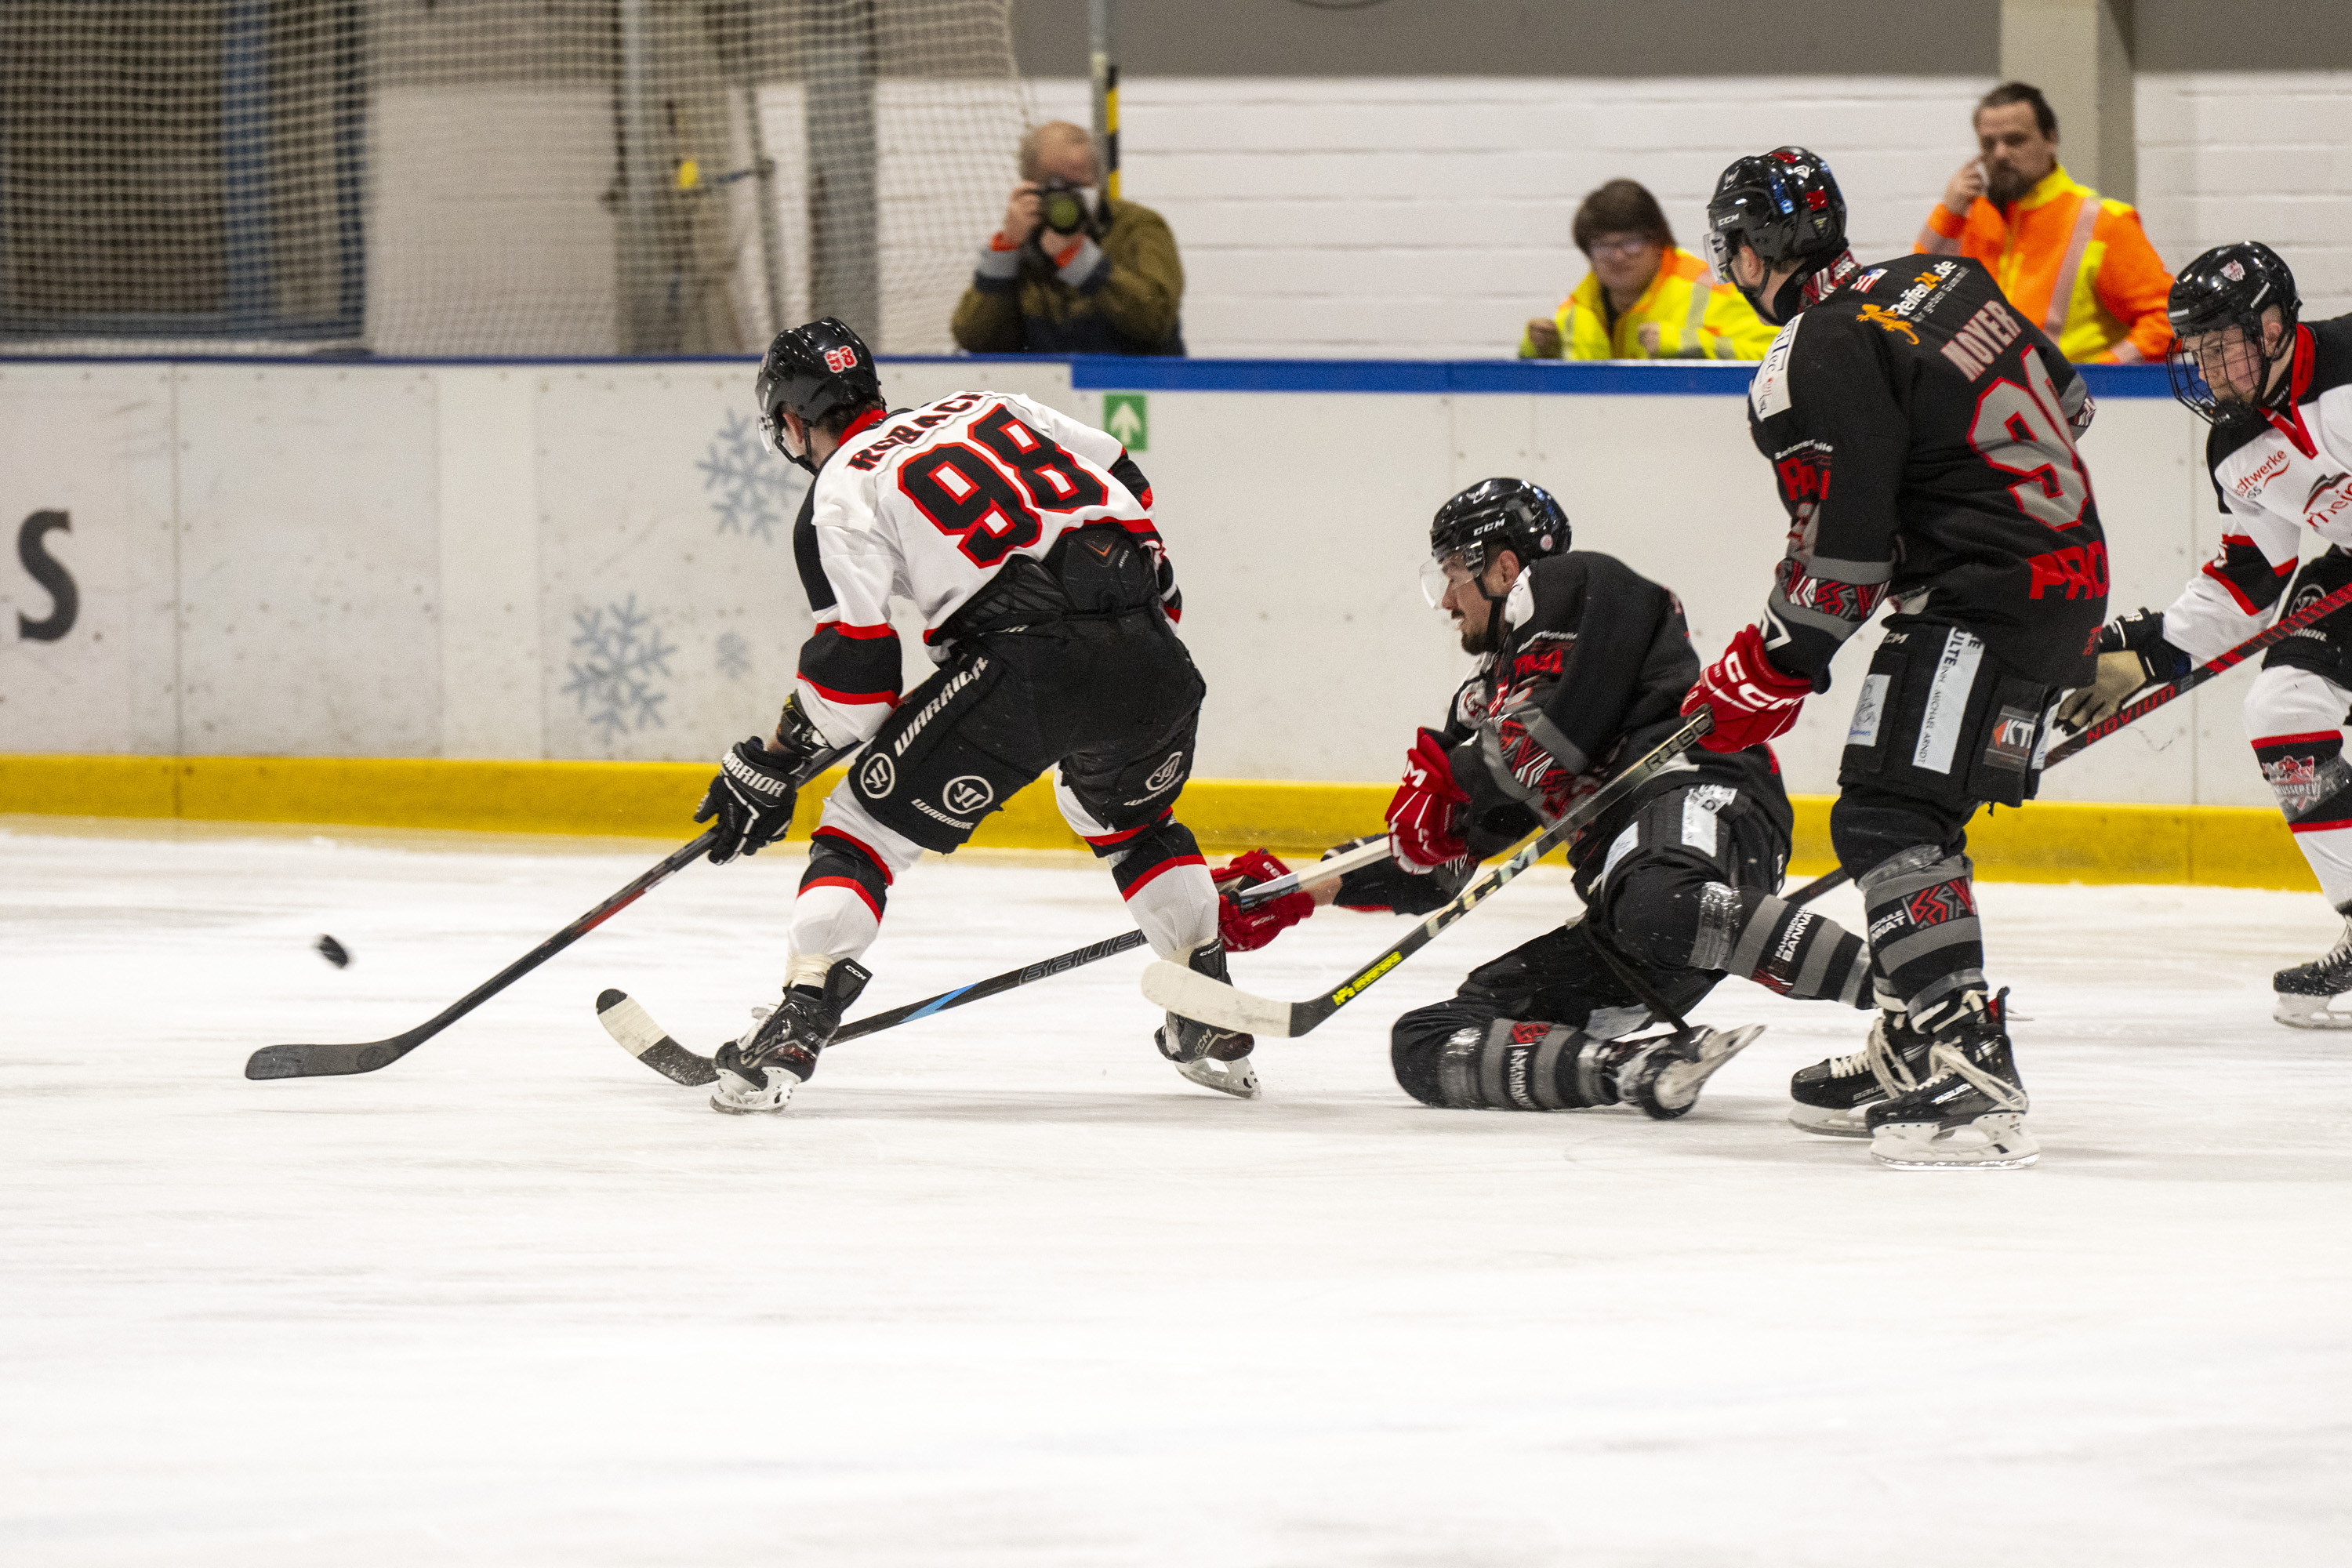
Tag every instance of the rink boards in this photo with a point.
(590, 561)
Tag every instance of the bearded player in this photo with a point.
(1581, 665)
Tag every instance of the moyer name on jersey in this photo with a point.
(1922, 437)
(2278, 477)
(927, 504)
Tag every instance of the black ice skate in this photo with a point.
(2301, 995)
(776, 1054)
(1662, 1077)
(1210, 1056)
(1831, 1096)
(1970, 1111)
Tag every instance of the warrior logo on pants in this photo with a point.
(877, 778)
(967, 793)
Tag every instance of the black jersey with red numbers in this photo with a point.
(1922, 435)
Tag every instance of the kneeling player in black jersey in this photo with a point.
(1025, 540)
(1582, 663)
(1922, 433)
(2278, 393)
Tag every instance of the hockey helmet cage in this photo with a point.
(2229, 286)
(813, 369)
(1784, 204)
(1490, 516)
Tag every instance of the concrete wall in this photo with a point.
(1429, 215)
(592, 560)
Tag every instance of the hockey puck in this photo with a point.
(333, 951)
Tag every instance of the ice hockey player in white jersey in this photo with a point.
(1025, 540)
(2278, 393)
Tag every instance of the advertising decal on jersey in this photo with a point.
(1768, 391)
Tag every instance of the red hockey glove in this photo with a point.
(1421, 832)
(1536, 768)
(1247, 930)
(1751, 701)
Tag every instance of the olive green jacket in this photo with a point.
(1119, 294)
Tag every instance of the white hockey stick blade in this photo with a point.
(1191, 995)
(634, 1030)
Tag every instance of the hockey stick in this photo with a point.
(635, 1031)
(324, 1062)
(1191, 995)
(2156, 697)
(327, 1061)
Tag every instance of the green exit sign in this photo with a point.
(1125, 416)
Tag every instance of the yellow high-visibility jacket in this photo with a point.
(1696, 318)
(2073, 263)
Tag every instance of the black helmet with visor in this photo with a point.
(2229, 287)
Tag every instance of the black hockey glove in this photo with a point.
(753, 798)
(2131, 654)
(758, 785)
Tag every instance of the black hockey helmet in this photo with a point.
(2229, 286)
(1493, 515)
(1784, 204)
(812, 371)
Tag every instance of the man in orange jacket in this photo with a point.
(2078, 266)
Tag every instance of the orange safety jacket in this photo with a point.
(2077, 265)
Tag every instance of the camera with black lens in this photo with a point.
(1060, 206)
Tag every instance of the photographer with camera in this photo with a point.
(1070, 272)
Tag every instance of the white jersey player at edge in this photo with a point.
(1025, 540)
(2278, 393)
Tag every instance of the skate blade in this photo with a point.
(1675, 1088)
(1826, 1123)
(2307, 1013)
(1235, 1077)
(1995, 1141)
(731, 1102)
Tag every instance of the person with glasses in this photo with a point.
(1645, 297)
(2278, 393)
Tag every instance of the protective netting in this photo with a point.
(495, 176)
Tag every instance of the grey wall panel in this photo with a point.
(94, 443)
(670, 614)
(309, 562)
(1515, 38)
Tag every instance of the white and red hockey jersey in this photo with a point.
(2279, 478)
(927, 504)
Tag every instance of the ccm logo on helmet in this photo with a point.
(840, 359)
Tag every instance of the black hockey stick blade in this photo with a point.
(332, 1060)
(635, 1030)
(2153, 699)
(1191, 995)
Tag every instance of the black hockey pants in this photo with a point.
(1689, 893)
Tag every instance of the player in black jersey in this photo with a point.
(2278, 393)
(1581, 664)
(1922, 433)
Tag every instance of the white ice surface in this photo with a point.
(1002, 1290)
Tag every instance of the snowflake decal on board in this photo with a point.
(734, 656)
(756, 489)
(620, 653)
